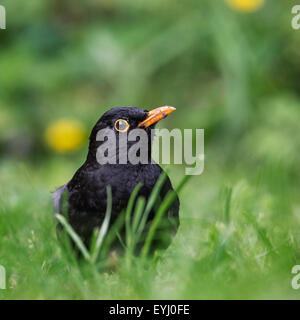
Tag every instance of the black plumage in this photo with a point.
(86, 191)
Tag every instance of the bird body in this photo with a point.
(87, 198)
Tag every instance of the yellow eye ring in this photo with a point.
(122, 125)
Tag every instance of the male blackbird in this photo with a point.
(87, 198)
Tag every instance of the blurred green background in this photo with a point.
(230, 67)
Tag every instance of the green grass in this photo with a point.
(237, 241)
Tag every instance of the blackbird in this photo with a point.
(87, 190)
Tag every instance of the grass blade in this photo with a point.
(104, 226)
(228, 197)
(128, 214)
(170, 197)
(113, 233)
(138, 213)
(150, 203)
(80, 245)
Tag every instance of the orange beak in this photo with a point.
(156, 115)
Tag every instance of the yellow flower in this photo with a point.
(65, 135)
(245, 5)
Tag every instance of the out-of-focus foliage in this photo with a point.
(229, 68)
(219, 67)
(246, 5)
(65, 135)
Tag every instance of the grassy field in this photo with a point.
(238, 238)
(233, 73)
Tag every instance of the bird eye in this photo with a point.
(122, 125)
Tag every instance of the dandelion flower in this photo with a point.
(65, 135)
(246, 5)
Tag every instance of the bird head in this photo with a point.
(125, 119)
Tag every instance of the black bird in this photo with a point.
(86, 191)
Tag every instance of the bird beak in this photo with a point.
(156, 115)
